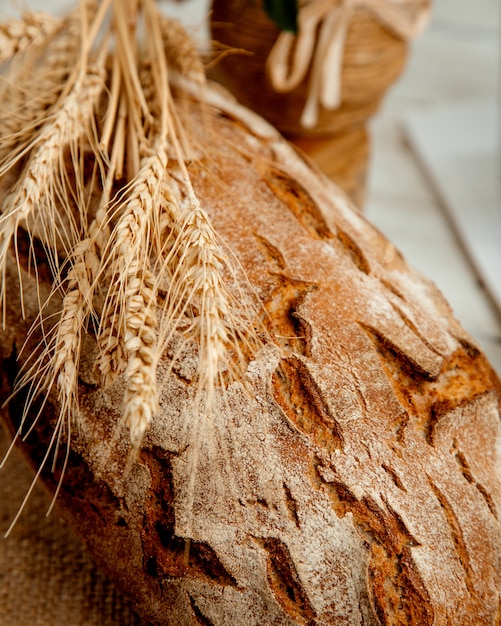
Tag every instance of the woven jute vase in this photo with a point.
(344, 157)
(373, 59)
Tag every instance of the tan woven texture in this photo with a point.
(373, 59)
(345, 159)
(46, 576)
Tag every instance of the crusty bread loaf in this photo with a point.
(349, 477)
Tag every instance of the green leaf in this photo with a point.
(283, 13)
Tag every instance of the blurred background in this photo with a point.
(454, 64)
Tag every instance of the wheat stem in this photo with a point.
(113, 104)
(160, 71)
(128, 63)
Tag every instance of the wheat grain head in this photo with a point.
(16, 35)
(127, 337)
(36, 80)
(149, 248)
(38, 198)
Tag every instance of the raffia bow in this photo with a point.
(323, 25)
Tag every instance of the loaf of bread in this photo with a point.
(345, 470)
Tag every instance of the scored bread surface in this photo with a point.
(349, 476)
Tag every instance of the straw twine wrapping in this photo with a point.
(319, 45)
(46, 576)
(373, 58)
(345, 159)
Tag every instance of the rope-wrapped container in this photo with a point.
(372, 57)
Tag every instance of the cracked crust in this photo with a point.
(351, 480)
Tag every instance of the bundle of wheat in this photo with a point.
(254, 411)
(90, 128)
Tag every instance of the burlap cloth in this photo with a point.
(46, 576)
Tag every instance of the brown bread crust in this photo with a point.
(351, 480)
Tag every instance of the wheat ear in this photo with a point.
(59, 358)
(195, 262)
(32, 29)
(35, 195)
(127, 339)
(181, 53)
(141, 394)
(27, 99)
(78, 305)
